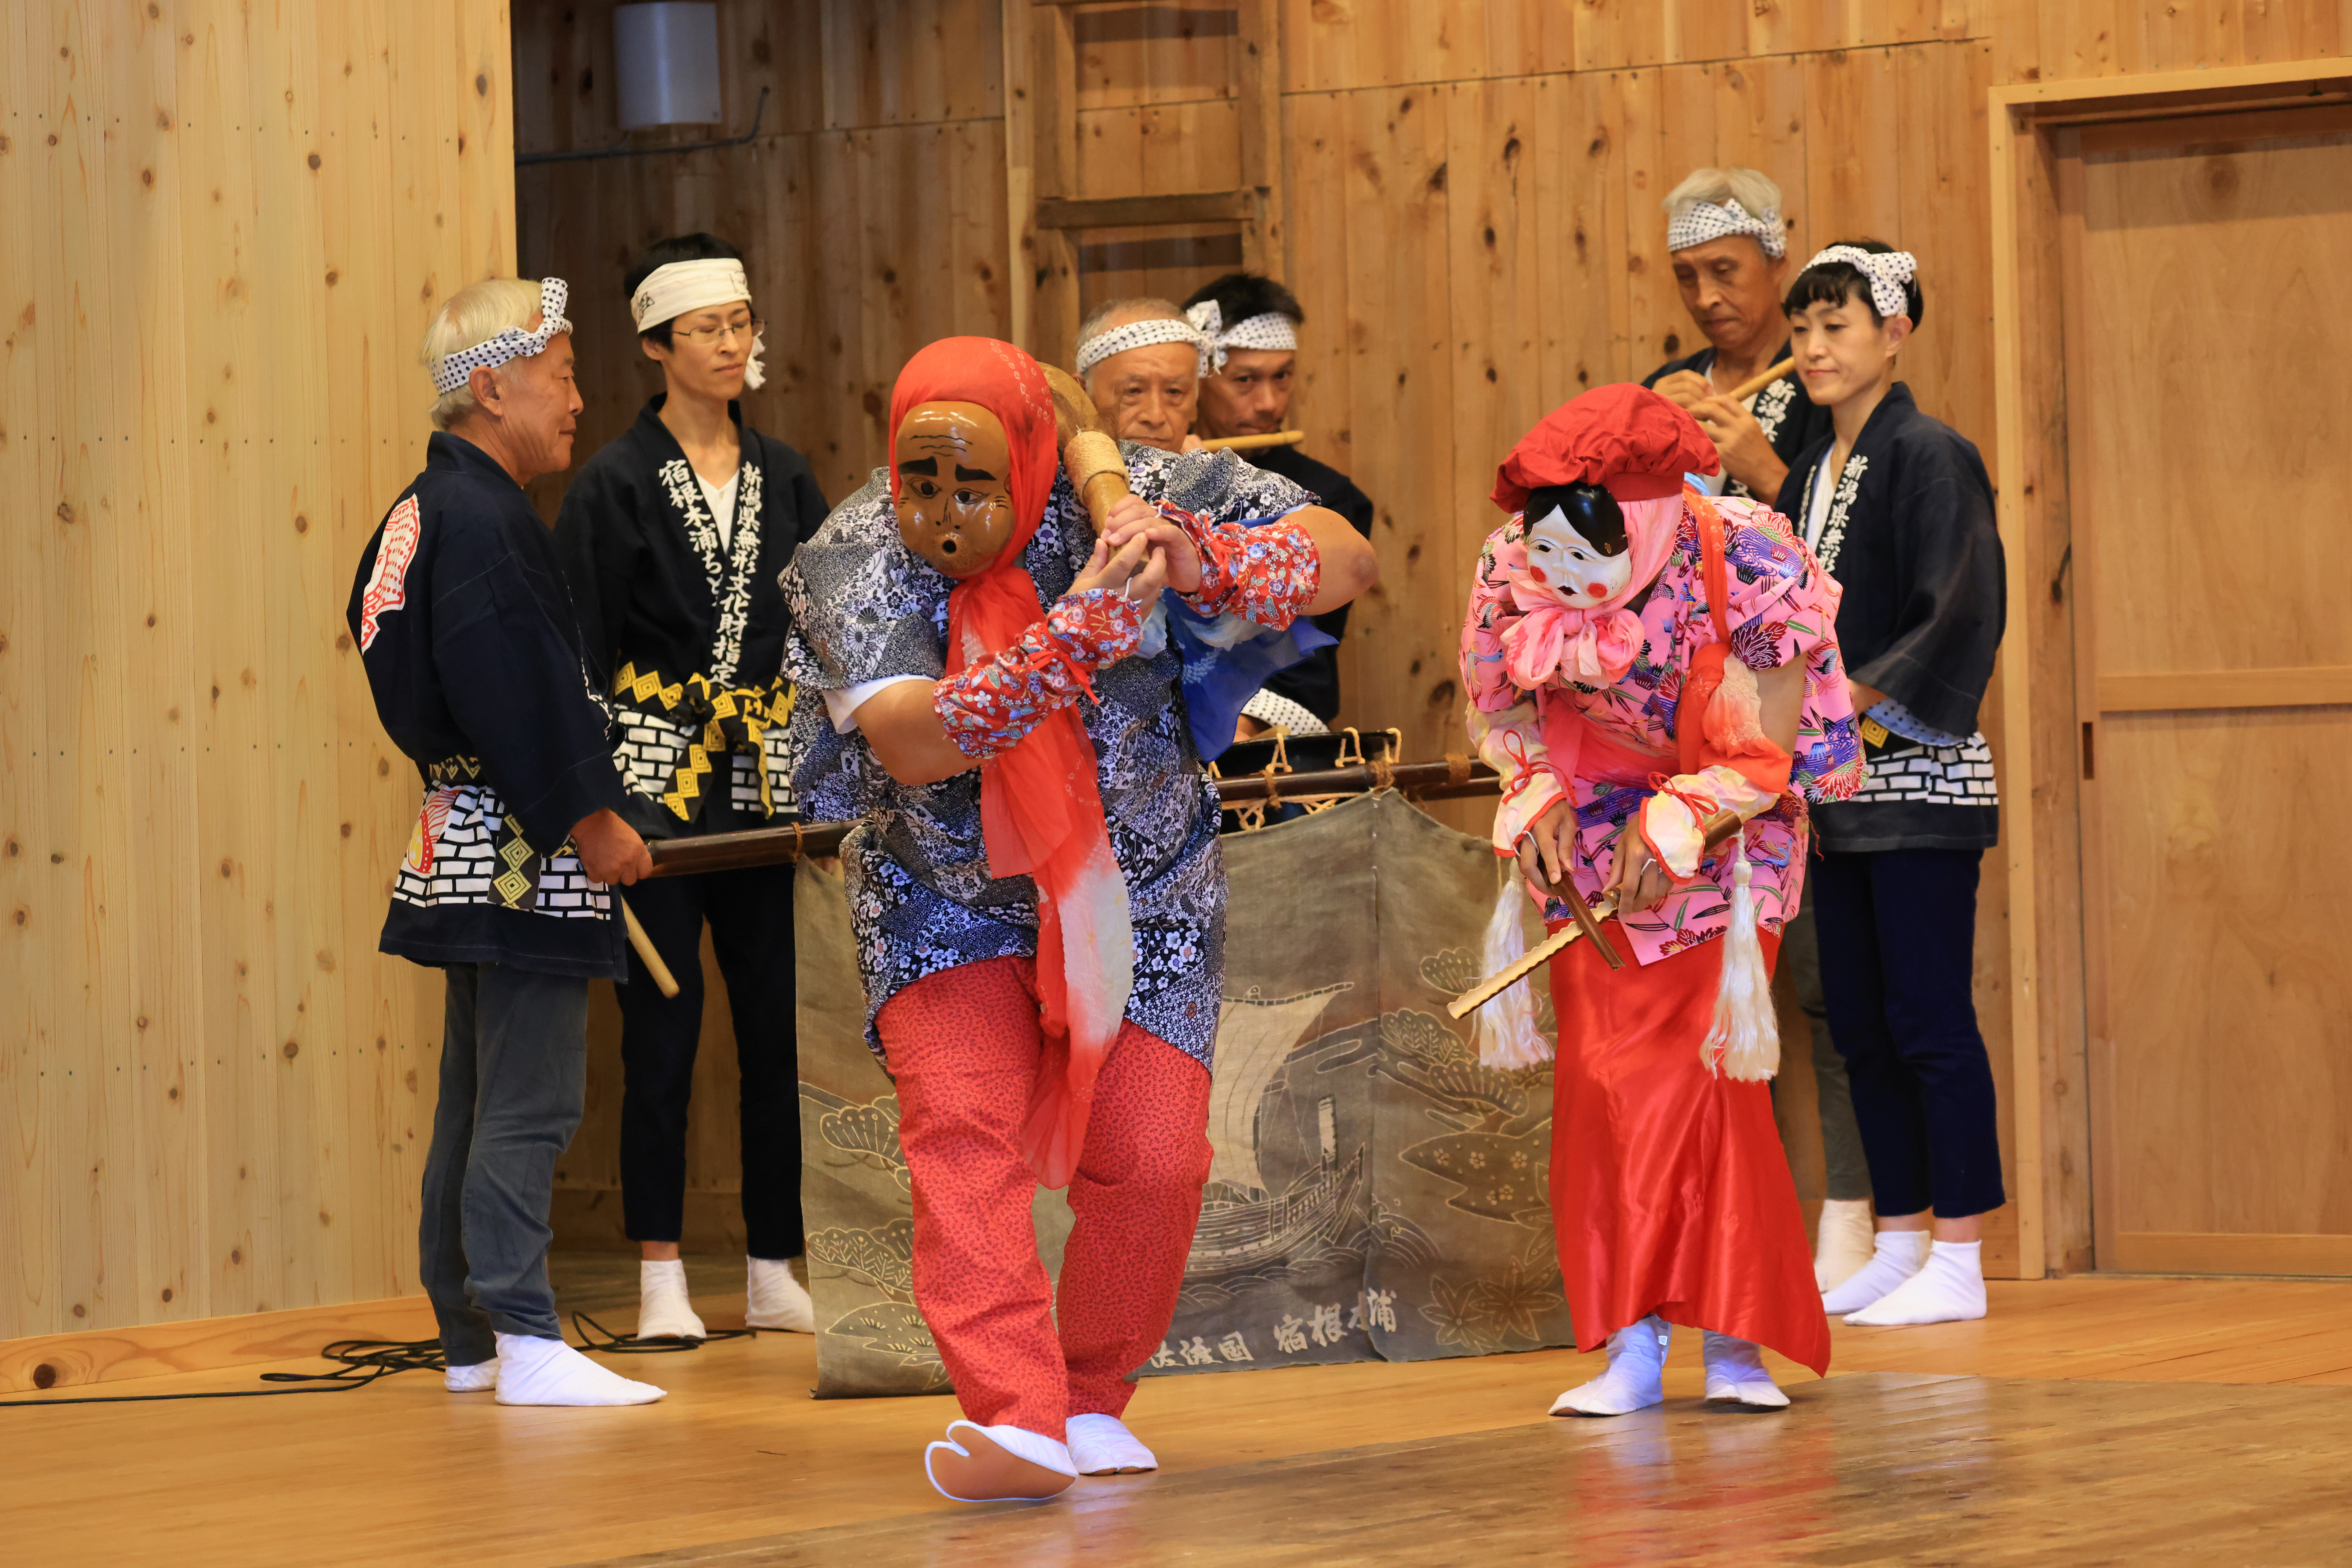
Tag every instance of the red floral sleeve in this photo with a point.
(1265, 574)
(989, 706)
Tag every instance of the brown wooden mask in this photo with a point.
(953, 467)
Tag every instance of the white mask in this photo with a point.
(1570, 567)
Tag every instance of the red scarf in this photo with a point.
(1040, 808)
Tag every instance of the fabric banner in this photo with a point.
(1374, 1193)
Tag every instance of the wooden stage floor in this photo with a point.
(2087, 1421)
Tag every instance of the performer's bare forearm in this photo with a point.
(906, 733)
(1350, 570)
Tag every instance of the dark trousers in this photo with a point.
(1899, 943)
(514, 1080)
(750, 916)
(1846, 1170)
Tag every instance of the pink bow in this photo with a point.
(1590, 647)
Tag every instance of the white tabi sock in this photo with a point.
(1102, 1446)
(1950, 1290)
(1736, 1374)
(479, 1378)
(532, 1371)
(664, 1309)
(774, 1299)
(1636, 1378)
(1899, 1254)
(1843, 1246)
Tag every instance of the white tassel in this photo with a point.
(1745, 1039)
(1505, 1029)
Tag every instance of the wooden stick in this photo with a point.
(798, 841)
(1758, 382)
(1719, 826)
(664, 981)
(1252, 443)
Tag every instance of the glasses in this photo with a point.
(700, 336)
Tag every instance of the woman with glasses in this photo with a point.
(672, 538)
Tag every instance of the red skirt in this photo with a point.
(1670, 1192)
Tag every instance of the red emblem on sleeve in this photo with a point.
(387, 586)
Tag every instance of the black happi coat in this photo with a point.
(1790, 420)
(658, 594)
(1910, 538)
(465, 630)
(1314, 682)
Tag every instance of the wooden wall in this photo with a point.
(226, 227)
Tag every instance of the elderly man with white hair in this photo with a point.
(1730, 251)
(1141, 361)
(466, 629)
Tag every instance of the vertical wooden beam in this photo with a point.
(1052, 270)
(1021, 169)
(1264, 237)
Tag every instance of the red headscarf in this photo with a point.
(1040, 808)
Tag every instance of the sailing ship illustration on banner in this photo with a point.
(1245, 1225)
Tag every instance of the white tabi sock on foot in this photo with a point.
(1843, 1246)
(1736, 1374)
(664, 1309)
(774, 1299)
(1102, 1446)
(1899, 1254)
(1636, 1378)
(1950, 1290)
(479, 1378)
(532, 1371)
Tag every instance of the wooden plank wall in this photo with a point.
(225, 228)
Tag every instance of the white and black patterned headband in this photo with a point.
(1141, 334)
(1889, 273)
(1271, 331)
(453, 371)
(1702, 221)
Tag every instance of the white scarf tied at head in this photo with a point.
(1270, 331)
(1889, 274)
(453, 371)
(1702, 221)
(1141, 334)
(671, 291)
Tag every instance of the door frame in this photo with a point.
(2043, 705)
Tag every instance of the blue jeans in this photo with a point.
(514, 1081)
(1899, 944)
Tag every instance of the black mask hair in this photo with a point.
(1589, 509)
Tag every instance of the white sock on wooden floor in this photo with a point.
(1636, 1378)
(664, 1311)
(1844, 1245)
(532, 1371)
(774, 1299)
(479, 1378)
(1898, 1255)
(1102, 1446)
(1736, 1374)
(1949, 1289)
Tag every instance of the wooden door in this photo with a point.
(2208, 271)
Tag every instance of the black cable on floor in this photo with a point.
(629, 1344)
(363, 1361)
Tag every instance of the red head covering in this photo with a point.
(1040, 807)
(1627, 440)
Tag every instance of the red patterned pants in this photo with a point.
(963, 1045)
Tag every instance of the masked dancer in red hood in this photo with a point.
(1641, 660)
(1036, 890)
